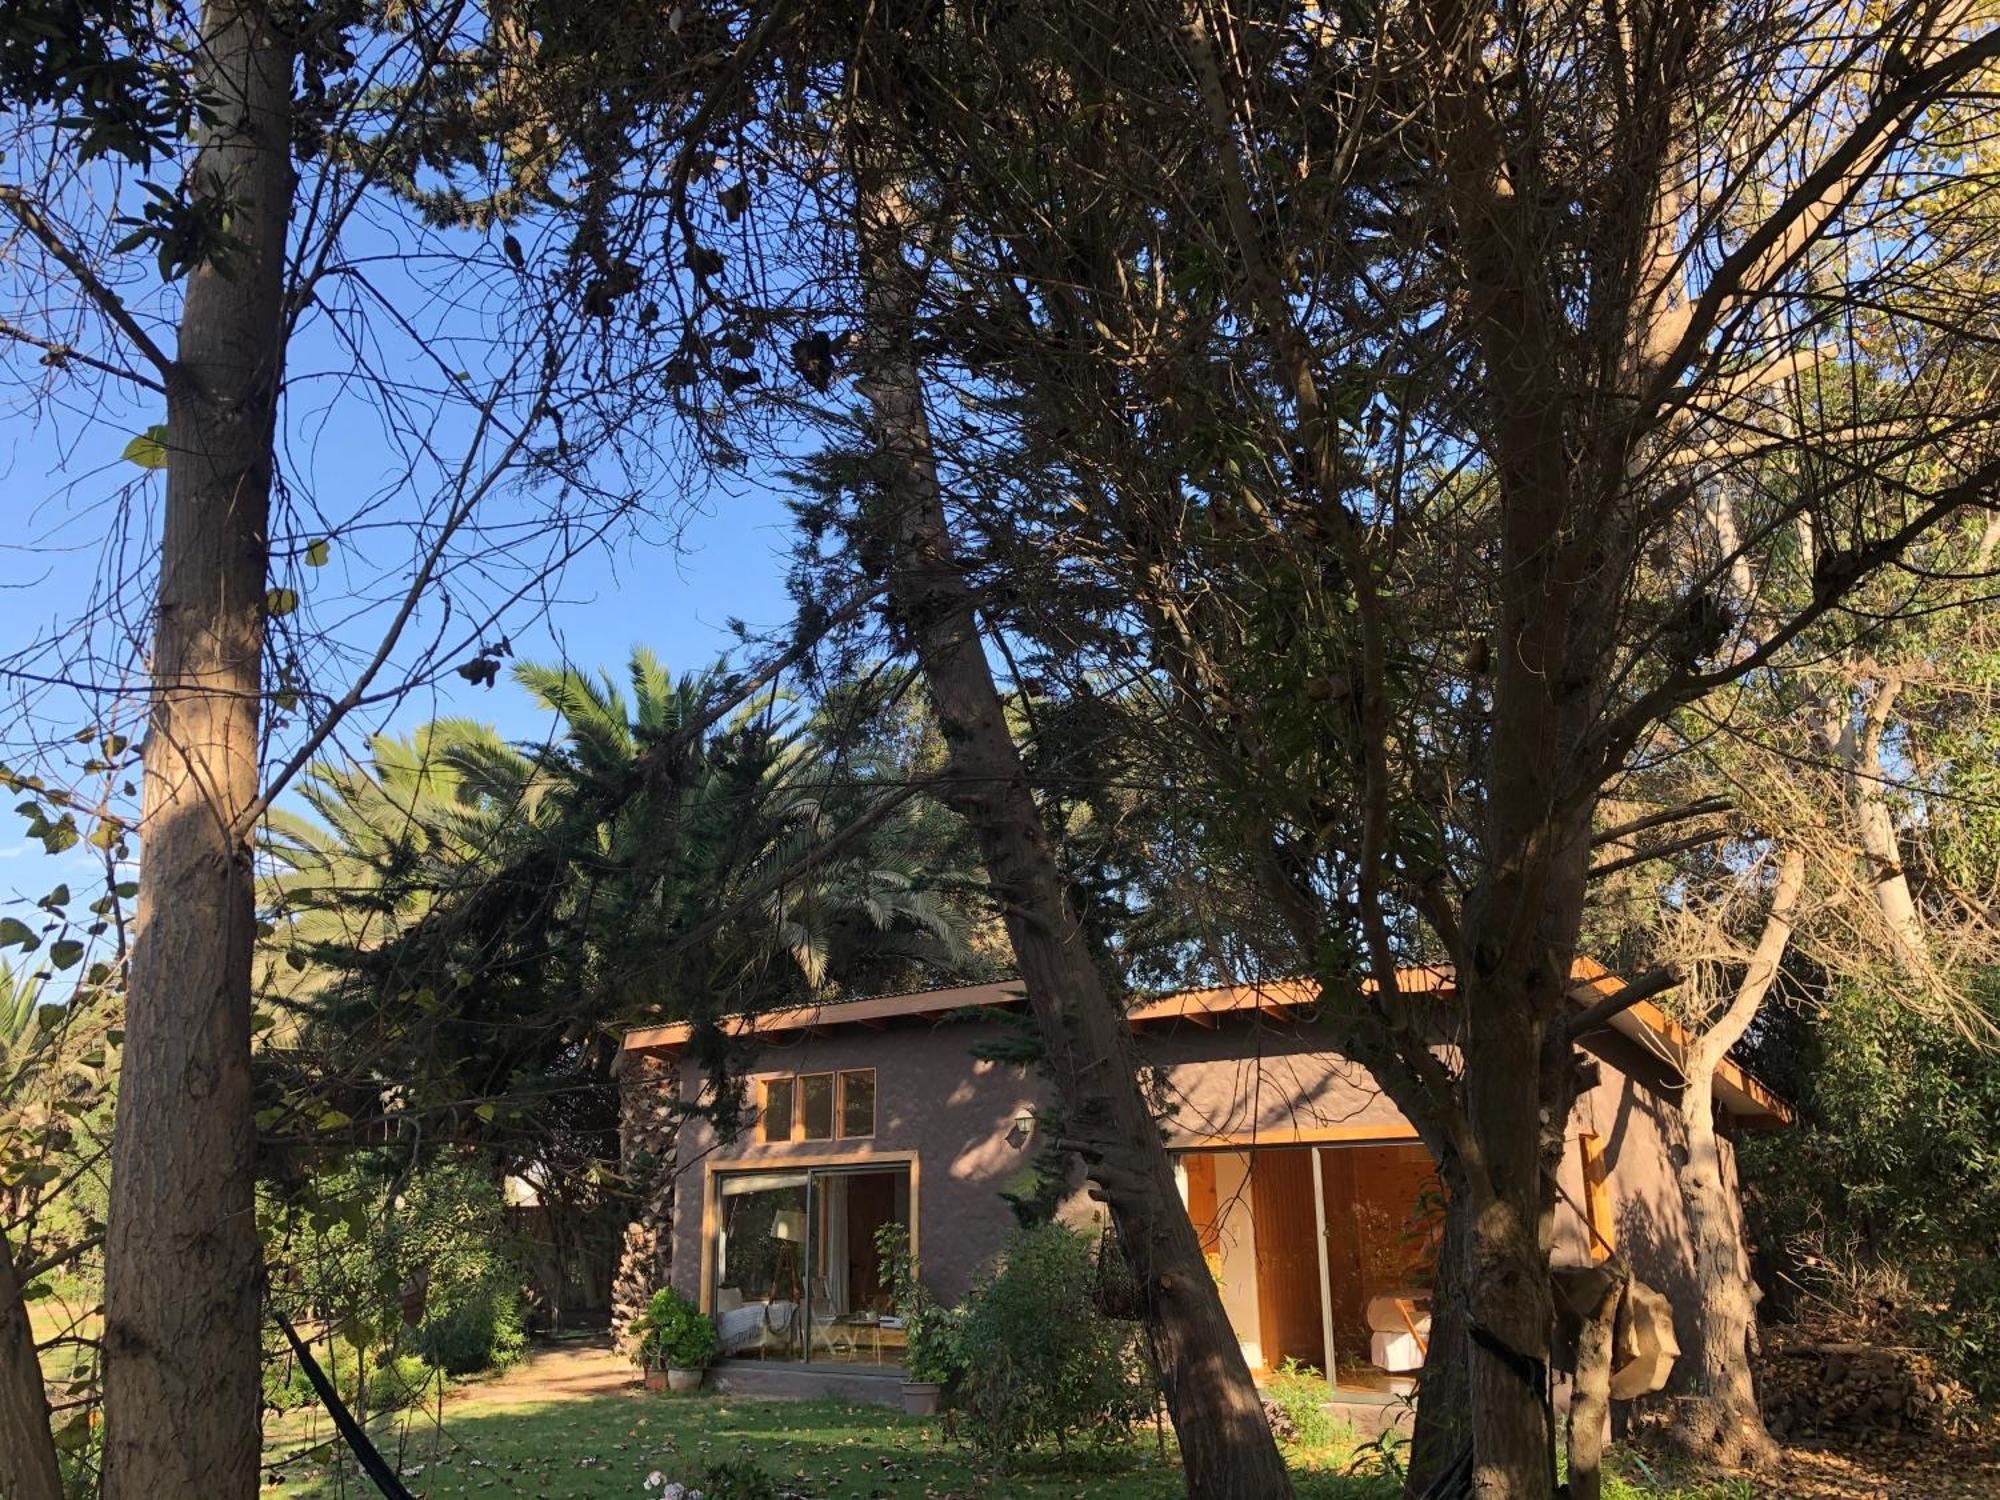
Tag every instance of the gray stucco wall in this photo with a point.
(933, 1102)
(1246, 1080)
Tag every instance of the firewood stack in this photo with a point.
(1854, 1391)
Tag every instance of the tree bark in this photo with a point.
(1443, 1425)
(1721, 1422)
(182, 1274)
(1875, 830)
(28, 1467)
(1590, 1400)
(648, 1126)
(1227, 1451)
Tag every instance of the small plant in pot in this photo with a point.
(933, 1361)
(676, 1342)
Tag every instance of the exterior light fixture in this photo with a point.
(1022, 1130)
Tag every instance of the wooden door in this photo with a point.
(1287, 1230)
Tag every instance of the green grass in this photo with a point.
(603, 1447)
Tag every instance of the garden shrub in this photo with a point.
(935, 1333)
(673, 1334)
(1042, 1364)
(480, 1330)
(738, 1479)
(1883, 1202)
(355, 1243)
(1299, 1393)
(403, 1380)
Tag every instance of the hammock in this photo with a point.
(373, 1464)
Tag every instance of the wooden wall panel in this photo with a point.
(1288, 1307)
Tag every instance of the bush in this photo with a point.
(403, 1381)
(1042, 1364)
(738, 1479)
(481, 1330)
(1875, 1214)
(1299, 1393)
(674, 1334)
(357, 1244)
(936, 1334)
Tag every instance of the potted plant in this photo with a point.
(932, 1359)
(675, 1338)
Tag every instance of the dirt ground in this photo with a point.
(1951, 1468)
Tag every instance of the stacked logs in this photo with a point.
(1854, 1391)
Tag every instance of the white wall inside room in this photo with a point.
(1238, 1238)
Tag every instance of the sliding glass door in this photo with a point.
(798, 1275)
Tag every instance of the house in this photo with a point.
(1317, 1207)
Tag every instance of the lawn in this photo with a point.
(607, 1446)
(495, 1444)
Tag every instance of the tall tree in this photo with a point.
(182, 1286)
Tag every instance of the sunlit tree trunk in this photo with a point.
(28, 1469)
(1227, 1450)
(182, 1269)
(1721, 1422)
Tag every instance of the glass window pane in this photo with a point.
(777, 1109)
(857, 1103)
(816, 1107)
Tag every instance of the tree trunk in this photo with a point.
(1227, 1450)
(1444, 1426)
(28, 1468)
(182, 1275)
(1510, 1307)
(1875, 830)
(1721, 1422)
(1590, 1398)
(648, 1125)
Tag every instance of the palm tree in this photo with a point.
(471, 920)
(20, 1000)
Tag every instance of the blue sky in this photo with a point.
(384, 377)
(673, 593)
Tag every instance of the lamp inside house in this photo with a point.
(789, 1224)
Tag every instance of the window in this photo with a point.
(857, 1102)
(816, 1107)
(819, 1106)
(778, 1106)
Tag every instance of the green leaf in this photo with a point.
(149, 449)
(66, 954)
(280, 602)
(13, 932)
(317, 553)
(57, 897)
(74, 1435)
(334, 1119)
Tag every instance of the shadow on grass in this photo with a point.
(608, 1447)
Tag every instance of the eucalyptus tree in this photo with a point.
(1380, 368)
(1360, 382)
(224, 242)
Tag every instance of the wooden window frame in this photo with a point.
(795, 1127)
(764, 1082)
(832, 1077)
(840, 1078)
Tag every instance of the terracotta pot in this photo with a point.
(656, 1380)
(683, 1381)
(920, 1397)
